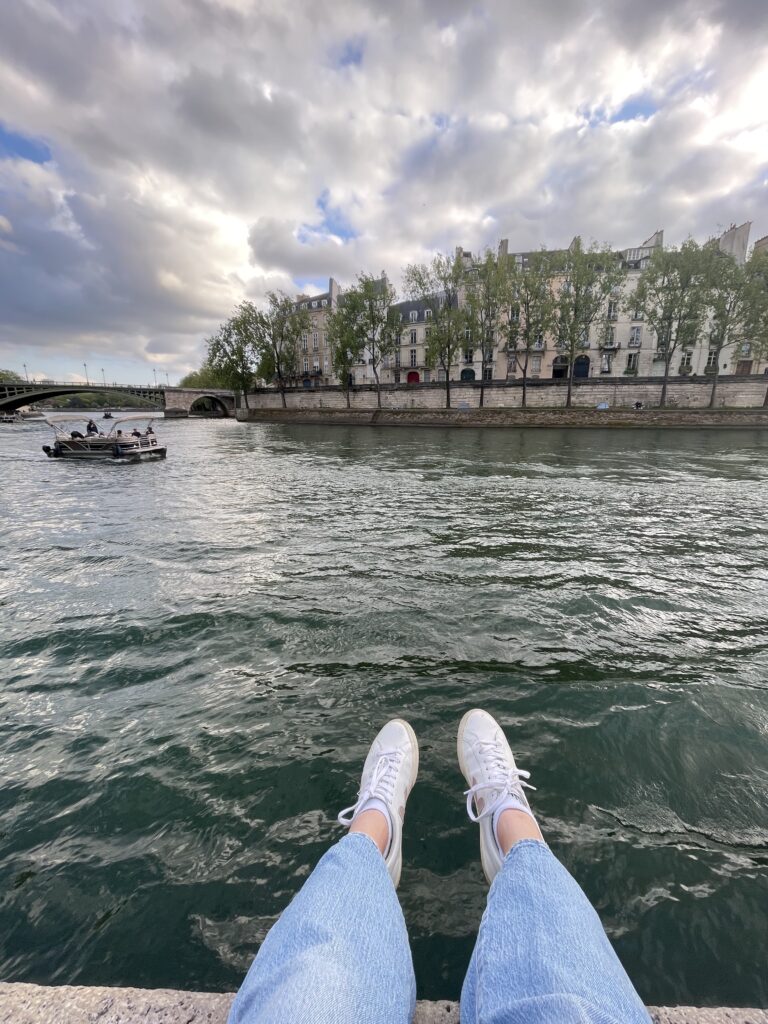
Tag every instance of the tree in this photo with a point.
(344, 337)
(485, 295)
(584, 281)
(672, 296)
(528, 305)
(370, 309)
(9, 377)
(205, 377)
(232, 350)
(438, 285)
(737, 303)
(277, 333)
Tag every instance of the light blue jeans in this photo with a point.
(339, 953)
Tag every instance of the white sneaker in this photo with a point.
(389, 773)
(487, 764)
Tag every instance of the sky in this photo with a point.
(162, 160)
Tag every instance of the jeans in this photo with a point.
(339, 953)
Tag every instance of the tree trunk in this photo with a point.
(346, 392)
(447, 389)
(378, 386)
(663, 399)
(525, 382)
(570, 382)
(282, 393)
(245, 397)
(715, 379)
(482, 385)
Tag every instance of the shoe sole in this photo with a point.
(490, 870)
(398, 865)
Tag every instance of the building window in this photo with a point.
(635, 337)
(514, 314)
(711, 359)
(426, 376)
(413, 357)
(611, 336)
(441, 376)
(685, 360)
(324, 302)
(326, 365)
(538, 341)
(316, 366)
(306, 366)
(632, 360)
(637, 314)
(488, 373)
(427, 332)
(304, 342)
(413, 337)
(746, 348)
(414, 315)
(427, 314)
(535, 364)
(605, 363)
(397, 359)
(397, 376)
(613, 310)
(314, 341)
(469, 355)
(583, 338)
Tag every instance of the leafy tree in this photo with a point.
(277, 333)
(672, 296)
(737, 303)
(438, 285)
(370, 314)
(584, 281)
(485, 295)
(206, 377)
(10, 377)
(344, 337)
(232, 350)
(529, 309)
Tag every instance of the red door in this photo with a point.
(413, 377)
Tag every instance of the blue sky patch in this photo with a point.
(641, 106)
(351, 53)
(12, 144)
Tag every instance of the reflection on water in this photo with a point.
(195, 655)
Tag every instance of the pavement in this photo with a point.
(70, 1004)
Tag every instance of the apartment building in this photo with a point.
(620, 344)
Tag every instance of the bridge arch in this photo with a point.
(209, 405)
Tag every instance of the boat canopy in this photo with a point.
(58, 421)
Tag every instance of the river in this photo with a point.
(195, 655)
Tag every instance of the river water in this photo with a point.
(195, 655)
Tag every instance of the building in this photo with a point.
(621, 344)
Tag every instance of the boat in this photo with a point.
(117, 446)
(8, 417)
(107, 415)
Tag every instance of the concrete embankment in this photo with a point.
(718, 419)
(39, 1004)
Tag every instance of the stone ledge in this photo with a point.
(69, 1004)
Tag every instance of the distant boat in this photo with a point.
(114, 446)
(107, 415)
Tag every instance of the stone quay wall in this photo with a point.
(618, 392)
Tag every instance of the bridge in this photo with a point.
(175, 401)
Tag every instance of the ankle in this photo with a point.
(374, 824)
(513, 825)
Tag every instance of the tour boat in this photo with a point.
(8, 417)
(117, 446)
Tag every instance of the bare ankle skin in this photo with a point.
(373, 824)
(513, 826)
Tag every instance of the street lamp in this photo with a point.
(166, 379)
(25, 372)
(103, 376)
(86, 374)
(154, 372)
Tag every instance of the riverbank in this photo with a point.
(75, 1004)
(716, 419)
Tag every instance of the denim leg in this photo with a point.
(541, 955)
(339, 952)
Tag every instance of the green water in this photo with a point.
(195, 655)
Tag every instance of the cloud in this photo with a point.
(160, 161)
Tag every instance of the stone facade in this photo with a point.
(620, 345)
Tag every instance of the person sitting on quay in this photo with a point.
(339, 952)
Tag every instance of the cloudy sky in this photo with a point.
(162, 159)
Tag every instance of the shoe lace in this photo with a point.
(507, 781)
(381, 785)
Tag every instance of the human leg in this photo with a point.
(339, 952)
(541, 955)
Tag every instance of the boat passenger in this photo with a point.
(91, 428)
(77, 436)
(135, 432)
(149, 430)
(340, 950)
(119, 433)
